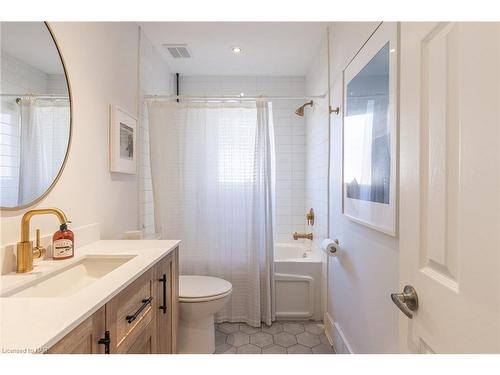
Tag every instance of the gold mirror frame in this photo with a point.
(61, 169)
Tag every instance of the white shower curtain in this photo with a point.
(213, 173)
(44, 138)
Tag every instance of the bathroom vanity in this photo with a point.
(141, 319)
(113, 297)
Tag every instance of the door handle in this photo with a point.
(406, 301)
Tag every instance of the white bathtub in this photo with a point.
(297, 275)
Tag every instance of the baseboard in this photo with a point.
(329, 328)
(335, 336)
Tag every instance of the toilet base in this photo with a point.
(198, 336)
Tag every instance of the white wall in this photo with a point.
(101, 59)
(289, 136)
(363, 276)
(154, 79)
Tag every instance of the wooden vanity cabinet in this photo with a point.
(167, 277)
(130, 314)
(141, 319)
(84, 338)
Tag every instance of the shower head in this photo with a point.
(300, 111)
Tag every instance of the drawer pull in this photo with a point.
(164, 282)
(145, 302)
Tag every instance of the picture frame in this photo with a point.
(370, 133)
(122, 141)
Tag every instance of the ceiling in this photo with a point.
(32, 43)
(268, 48)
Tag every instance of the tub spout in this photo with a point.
(296, 236)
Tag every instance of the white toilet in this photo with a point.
(200, 297)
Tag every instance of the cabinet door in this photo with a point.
(129, 314)
(145, 341)
(167, 271)
(83, 339)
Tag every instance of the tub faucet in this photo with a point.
(25, 250)
(296, 236)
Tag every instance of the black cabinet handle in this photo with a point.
(164, 282)
(145, 302)
(105, 341)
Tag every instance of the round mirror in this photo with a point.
(35, 112)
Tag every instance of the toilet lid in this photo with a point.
(193, 286)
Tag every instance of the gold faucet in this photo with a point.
(296, 236)
(25, 250)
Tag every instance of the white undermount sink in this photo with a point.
(72, 278)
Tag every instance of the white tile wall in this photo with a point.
(154, 78)
(56, 84)
(20, 77)
(289, 138)
(317, 144)
(299, 148)
(317, 154)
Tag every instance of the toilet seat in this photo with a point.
(195, 288)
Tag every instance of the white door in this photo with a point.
(449, 186)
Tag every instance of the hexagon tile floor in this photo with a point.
(281, 337)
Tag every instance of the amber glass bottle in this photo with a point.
(63, 243)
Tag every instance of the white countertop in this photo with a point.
(32, 324)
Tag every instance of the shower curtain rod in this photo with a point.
(230, 98)
(48, 96)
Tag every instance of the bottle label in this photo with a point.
(62, 248)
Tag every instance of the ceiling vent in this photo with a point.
(178, 51)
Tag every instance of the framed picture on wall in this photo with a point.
(369, 170)
(122, 141)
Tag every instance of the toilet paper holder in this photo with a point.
(331, 247)
(337, 246)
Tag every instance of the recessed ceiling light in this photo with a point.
(236, 50)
